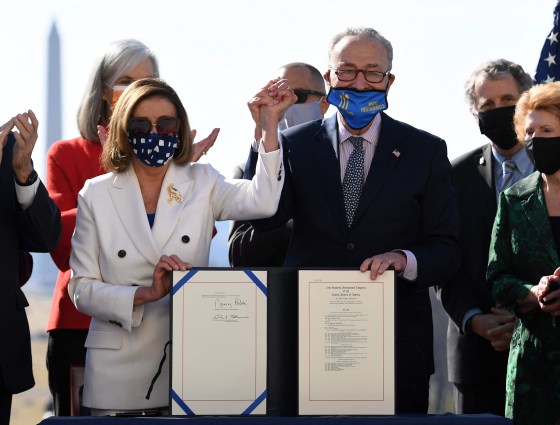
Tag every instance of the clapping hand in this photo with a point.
(202, 147)
(4, 131)
(26, 137)
(102, 134)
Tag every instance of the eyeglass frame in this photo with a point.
(305, 94)
(152, 125)
(356, 71)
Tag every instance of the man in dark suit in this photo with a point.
(478, 335)
(29, 221)
(366, 191)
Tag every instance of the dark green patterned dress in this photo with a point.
(523, 250)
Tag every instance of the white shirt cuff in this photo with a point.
(411, 270)
(26, 194)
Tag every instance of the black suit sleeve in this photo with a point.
(467, 289)
(457, 298)
(249, 247)
(25, 267)
(40, 224)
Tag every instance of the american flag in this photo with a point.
(548, 69)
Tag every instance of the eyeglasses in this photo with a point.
(164, 125)
(351, 74)
(303, 93)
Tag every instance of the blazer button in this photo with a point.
(350, 246)
(185, 239)
(121, 253)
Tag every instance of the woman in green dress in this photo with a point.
(523, 263)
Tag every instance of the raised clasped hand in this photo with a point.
(271, 102)
(379, 263)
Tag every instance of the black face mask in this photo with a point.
(497, 125)
(544, 153)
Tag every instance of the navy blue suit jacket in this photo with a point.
(408, 202)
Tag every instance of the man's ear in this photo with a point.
(327, 77)
(390, 82)
(475, 115)
(323, 105)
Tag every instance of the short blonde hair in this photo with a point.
(545, 97)
(117, 152)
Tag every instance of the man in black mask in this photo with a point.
(479, 331)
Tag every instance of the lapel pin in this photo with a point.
(396, 153)
(173, 194)
(481, 160)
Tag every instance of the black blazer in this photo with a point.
(35, 229)
(408, 202)
(471, 359)
(248, 247)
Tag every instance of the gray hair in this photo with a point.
(120, 58)
(495, 70)
(367, 32)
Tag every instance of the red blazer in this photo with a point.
(69, 164)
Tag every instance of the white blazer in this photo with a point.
(115, 251)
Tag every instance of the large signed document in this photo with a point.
(346, 343)
(218, 342)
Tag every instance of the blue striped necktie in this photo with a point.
(508, 167)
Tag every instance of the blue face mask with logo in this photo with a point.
(358, 107)
(154, 150)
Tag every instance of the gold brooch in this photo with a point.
(173, 194)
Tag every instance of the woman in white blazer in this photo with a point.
(154, 212)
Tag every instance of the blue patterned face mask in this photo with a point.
(154, 150)
(358, 107)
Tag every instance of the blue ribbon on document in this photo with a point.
(254, 404)
(257, 282)
(184, 280)
(181, 403)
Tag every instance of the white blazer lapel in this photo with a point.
(174, 196)
(127, 198)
